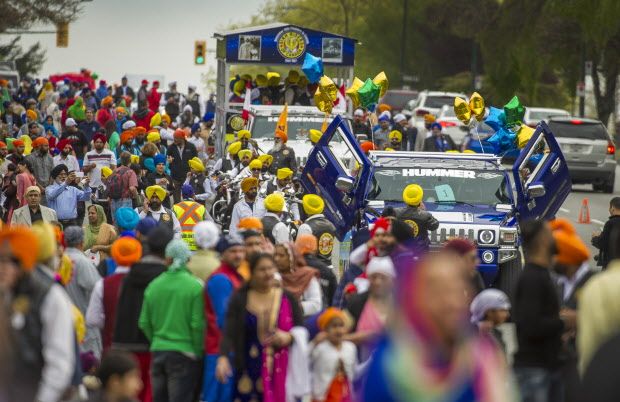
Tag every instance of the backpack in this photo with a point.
(115, 183)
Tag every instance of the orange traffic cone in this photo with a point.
(584, 213)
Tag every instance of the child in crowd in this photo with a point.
(120, 379)
(333, 360)
(490, 309)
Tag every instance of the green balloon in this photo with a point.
(94, 76)
(369, 93)
(514, 112)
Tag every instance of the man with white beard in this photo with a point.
(283, 156)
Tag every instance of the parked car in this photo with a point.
(398, 99)
(589, 151)
(534, 115)
(430, 102)
(451, 125)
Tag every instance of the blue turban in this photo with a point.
(126, 218)
(145, 225)
(159, 158)
(187, 191)
(208, 116)
(149, 164)
(195, 127)
(384, 118)
(435, 125)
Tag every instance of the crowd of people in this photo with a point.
(117, 284)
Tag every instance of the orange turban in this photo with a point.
(281, 135)
(166, 118)
(383, 107)
(367, 146)
(571, 249)
(139, 130)
(39, 141)
(126, 136)
(306, 244)
(330, 314)
(107, 101)
(31, 114)
(2, 145)
(21, 241)
(126, 251)
(18, 143)
(179, 133)
(250, 223)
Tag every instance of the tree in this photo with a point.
(22, 15)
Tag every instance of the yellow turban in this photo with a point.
(244, 153)
(413, 194)
(313, 204)
(266, 159)
(273, 79)
(248, 183)
(261, 80)
(106, 172)
(256, 164)
(157, 190)
(315, 135)
(196, 164)
(155, 120)
(166, 118)
(47, 240)
(274, 202)
(153, 136)
(234, 148)
(244, 134)
(283, 173)
(31, 114)
(135, 159)
(395, 134)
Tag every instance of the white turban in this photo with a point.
(206, 234)
(487, 300)
(381, 265)
(128, 124)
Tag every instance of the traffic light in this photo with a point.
(62, 34)
(200, 50)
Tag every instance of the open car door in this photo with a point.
(341, 178)
(541, 176)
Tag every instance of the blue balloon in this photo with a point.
(496, 118)
(313, 68)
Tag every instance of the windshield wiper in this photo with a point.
(453, 202)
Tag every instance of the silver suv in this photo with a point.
(588, 149)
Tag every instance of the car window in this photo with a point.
(534, 160)
(480, 187)
(298, 126)
(397, 100)
(438, 101)
(586, 131)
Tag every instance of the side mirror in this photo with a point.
(536, 190)
(344, 184)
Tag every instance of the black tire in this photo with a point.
(608, 187)
(509, 273)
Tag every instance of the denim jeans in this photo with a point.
(116, 204)
(174, 377)
(538, 384)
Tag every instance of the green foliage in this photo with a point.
(28, 62)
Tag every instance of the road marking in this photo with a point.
(597, 222)
(566, 211)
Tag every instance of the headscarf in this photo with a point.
(91, 231)
(77, 110)
(298, 278)
(180, 253)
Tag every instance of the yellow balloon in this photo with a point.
(462, 110)
(327, 87)
(524, 135)
(476, 105)
(323, 101)
(352, 91)
(381, 80)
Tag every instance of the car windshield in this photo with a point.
(398, 100)
(298, 126)
(586, 131)
(436, 102)
(545, 114)
(481, 187)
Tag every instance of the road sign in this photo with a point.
(589, 67)
(581, 89)
(62, 34)
(200, 50)
(410, 78)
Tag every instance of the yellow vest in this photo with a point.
(189, 213)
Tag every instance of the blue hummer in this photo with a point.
(480, 197)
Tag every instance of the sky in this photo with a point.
(142, 37)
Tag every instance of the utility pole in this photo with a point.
(404, 39)
(581, 86)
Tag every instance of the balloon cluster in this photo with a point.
(367, 93)
(510, 132)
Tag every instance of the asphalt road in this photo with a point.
(599, 207)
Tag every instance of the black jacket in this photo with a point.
(179, 165)
(608, 242)
(233, 339)
(536, 311)
(127, 335)
(327, 279)
(430, 145)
